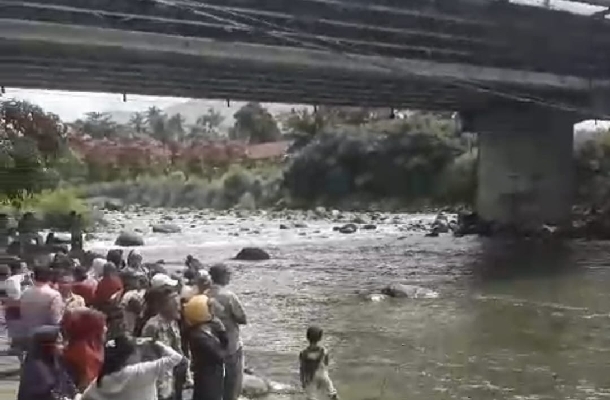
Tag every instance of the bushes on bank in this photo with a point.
(52, 208)
(392, 160)
(261, 185)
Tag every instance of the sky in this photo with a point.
(72, 105)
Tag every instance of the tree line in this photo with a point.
(253, 124)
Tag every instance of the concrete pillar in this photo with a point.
(525, 170)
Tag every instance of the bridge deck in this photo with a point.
(411, 53)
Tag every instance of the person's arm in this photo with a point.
(325, 358)
(237, 310)
(57, 309)
(301, 370)
(154, 369)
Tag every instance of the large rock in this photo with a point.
(348, 228)
(399, 291)
(127, 239)
(58, 238)
(107, 203)
(166, 228)
(255, 387)
(252, 254)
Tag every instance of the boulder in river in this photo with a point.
(252, 254)
(54, 238)
(369, 227)
(399, 291)
(127, 239)
(166, 228)
(255, 387)
(348, 228)
(107, 203)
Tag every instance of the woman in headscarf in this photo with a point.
(85, 331)
(44, 375)
(124, 376)
(207, 341)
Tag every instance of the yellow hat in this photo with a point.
(197, 310)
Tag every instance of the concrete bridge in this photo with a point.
(521, 75)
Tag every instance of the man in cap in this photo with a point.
(231, 313)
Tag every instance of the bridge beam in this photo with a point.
(525, 168)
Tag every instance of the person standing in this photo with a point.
(164, 328)
(85, 331)
(41, 304)
(108, 300)
(121, 378)
(71, 300)
(44, 375)
(207, 345)
(231, 313)
(84, 285)
(313, 367)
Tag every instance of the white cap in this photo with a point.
(160, 280)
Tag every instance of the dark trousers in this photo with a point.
(234, 375)
(208, 384)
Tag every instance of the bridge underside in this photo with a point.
(52, 56)
(431, 54)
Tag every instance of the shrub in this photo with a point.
(53, 208)
(262, 186)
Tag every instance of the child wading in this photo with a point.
(314, 367)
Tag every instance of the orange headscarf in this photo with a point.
(84, 353)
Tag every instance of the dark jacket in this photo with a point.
(208, 350)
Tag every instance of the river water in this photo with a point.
(513, 320)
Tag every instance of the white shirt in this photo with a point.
(134, 382)
(13, 286)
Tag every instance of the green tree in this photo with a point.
(255, 124)
(31, 140)
(207, 126)
(157, 123)
(98, 125)
(175, 124)
(138, 122)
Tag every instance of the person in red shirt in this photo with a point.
(109, 286)
(84, 286)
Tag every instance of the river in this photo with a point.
(513, 321)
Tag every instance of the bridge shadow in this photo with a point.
(501, 260)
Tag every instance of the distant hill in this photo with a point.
(191, 109)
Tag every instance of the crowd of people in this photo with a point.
(109, 328)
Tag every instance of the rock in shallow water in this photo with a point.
(252, 254)
(255, 387)
(166, 228)
(348, 228)
(127, 239)
(400, 291)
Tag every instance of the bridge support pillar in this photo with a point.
(525, 168)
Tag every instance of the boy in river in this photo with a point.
(314, 367)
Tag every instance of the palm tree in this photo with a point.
(175, 125)
(137, 122)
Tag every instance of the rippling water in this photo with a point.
(513, 321)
